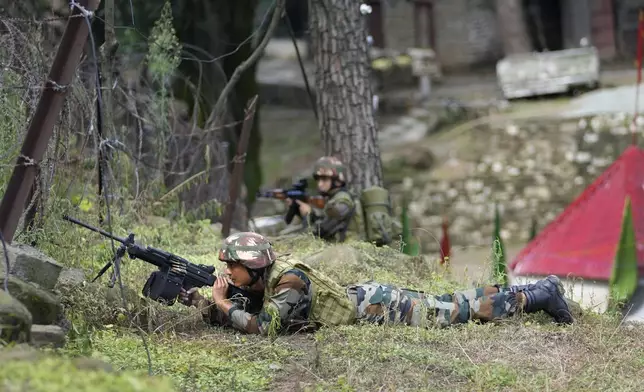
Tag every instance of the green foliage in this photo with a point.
(13, 120)
(204, 362)
(623, 280)
(499, 267)
(164, 54)
(351, 358)
(53, 374)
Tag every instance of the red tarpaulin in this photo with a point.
(582, 240)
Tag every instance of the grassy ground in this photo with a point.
(523, 354)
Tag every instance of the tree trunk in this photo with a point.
(343, 89)
(514, 30)
(239, 26)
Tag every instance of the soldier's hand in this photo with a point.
(305, 209)
(190, 297)
(220, 289)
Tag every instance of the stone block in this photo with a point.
(44, 306)
(31, 265)
(70, 277)
(15, 319)
(47, 336)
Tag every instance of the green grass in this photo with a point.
(523, 354)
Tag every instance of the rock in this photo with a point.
(44, 306)
(47, 335)
(15, 319)
(265, 206)
(268, 225)
(31, 265)
(70, 277)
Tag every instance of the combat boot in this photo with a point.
(524, 287)
(548, 295)
(519, 288)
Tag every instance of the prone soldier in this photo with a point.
(298, 297)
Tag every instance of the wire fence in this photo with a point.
(154, 150)
(151, 151)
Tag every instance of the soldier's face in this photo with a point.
(238, 274)
(324, 184)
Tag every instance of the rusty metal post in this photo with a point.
(238, 169)
(42, 122)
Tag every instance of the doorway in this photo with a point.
(544, 22)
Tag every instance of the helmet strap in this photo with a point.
(255, 274)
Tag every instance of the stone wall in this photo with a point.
(30, 309)
(533, 169)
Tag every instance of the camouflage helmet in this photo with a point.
(331, 167)
(249, 249)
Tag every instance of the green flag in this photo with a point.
(499, 269)
(623, 280)
(409, 243)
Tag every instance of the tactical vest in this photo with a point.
(330, 304)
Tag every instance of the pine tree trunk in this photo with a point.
(514, 30)
(344, 95)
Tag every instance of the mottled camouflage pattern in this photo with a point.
(292, 302)
(250, 249)
(378, 303)
(338, 210)
(330, 166)
(288, 308)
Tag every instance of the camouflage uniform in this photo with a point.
(332, 223)
(337, 211)
(373, 300)
(298, 297)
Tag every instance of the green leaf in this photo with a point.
(499, 267)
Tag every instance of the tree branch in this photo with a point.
(221, 101)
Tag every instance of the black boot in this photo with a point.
(524, 287)
(548, 295)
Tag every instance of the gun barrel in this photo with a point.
(273, 194)
(92, 228)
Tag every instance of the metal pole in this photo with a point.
(238, 169)
(105, 113)
(44, 118)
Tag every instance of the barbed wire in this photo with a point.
(23, 69)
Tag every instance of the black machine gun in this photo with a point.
(297, 192)
(174, 272)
